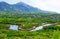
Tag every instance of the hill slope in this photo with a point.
(18, 7)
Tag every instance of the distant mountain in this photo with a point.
(18, 7)
(5, 7)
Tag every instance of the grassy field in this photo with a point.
(49, 32)
(26, 21)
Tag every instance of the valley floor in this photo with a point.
(26, 21)
(48, 32)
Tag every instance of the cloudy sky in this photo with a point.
(50, 5)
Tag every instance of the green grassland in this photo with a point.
(26, 21)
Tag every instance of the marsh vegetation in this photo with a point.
(26, 21)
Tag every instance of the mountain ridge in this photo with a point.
(18, 7)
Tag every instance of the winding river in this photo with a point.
(40, 27)
(15, 27)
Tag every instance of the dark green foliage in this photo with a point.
(53, 27)
(4, 26)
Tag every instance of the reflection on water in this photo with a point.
(40, 27)
(13, 27)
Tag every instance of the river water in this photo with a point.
(13, 27)
(40, 27)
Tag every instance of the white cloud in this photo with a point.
(50, 5)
